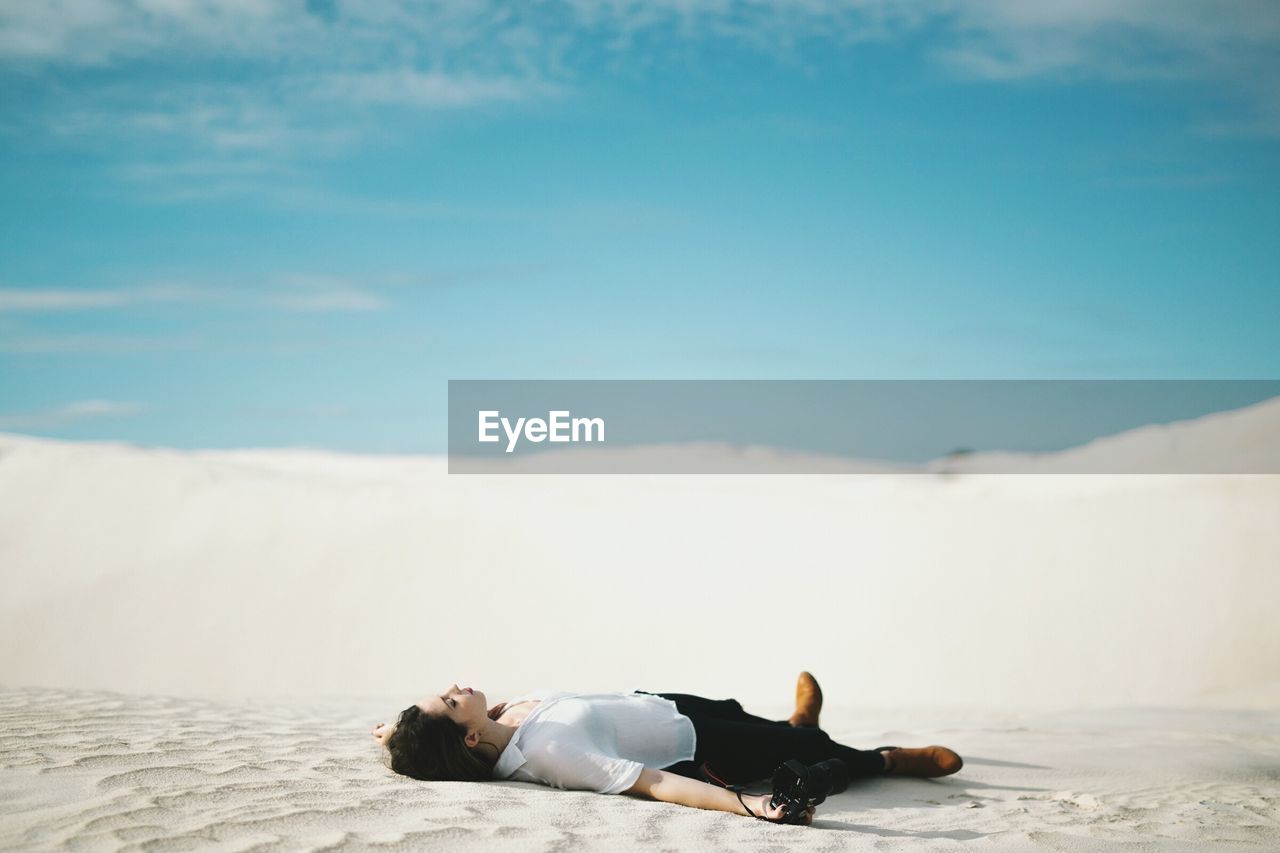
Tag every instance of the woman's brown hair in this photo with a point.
(432, 749)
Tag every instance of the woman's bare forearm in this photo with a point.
(673, 788)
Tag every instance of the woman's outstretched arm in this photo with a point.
(673, 788)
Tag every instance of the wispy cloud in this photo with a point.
(1186, 180)
(320, 293)
(310, 82)
(300, 293)
(1230, 49)
(69, 413)
(411, 87)
(311, 412)
(438, 53)
(186, 125)
(103, 33)
(317, 79)
(13, 300)
(93, 344)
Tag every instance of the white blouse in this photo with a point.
(595, 741)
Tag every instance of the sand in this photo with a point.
(90, 770)
(1103, 649)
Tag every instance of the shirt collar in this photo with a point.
(511, 760)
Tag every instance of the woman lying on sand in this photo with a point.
(660, 746)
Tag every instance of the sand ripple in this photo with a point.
(86, 770)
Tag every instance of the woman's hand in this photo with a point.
(776, 813)
(496, 711)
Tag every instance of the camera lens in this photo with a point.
(827, 778)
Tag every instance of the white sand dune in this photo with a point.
(264, 581)
(90, 770)
(1240, 441)
(285, 573)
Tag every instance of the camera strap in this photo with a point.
(738, 791)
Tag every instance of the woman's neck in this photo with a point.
(494, 739)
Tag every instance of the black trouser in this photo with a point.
(739, 747)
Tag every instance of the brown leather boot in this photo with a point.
(926, 761)
(808, 701)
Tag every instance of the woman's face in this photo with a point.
(463, 705)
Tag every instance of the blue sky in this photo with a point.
(247, 224)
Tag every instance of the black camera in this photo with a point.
(796, 787)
